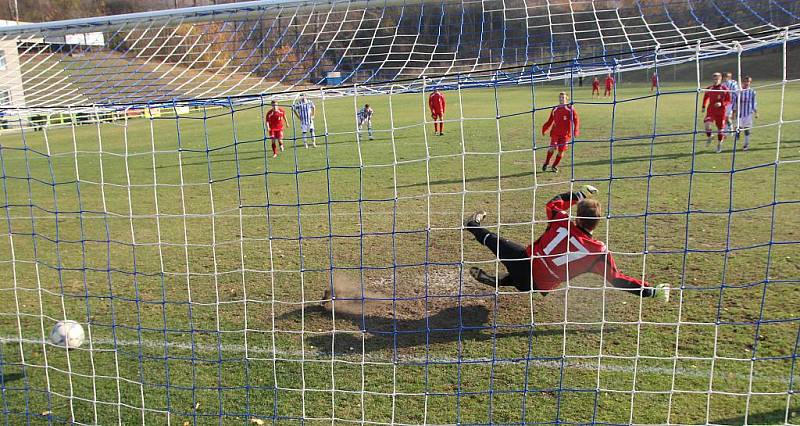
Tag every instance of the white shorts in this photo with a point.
(366, 121)
(307, 127)
(746, 121)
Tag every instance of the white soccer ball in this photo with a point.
(67, 333)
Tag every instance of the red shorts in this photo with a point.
(276, 133)
(718, 119)
(437, 115)
(559, 143)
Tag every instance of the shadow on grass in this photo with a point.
(382, 331)
(218, 157)
(701, 149)
(775, 417)
(467, 180)
(617, 160)
(6, 378)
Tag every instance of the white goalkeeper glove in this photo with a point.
(589, 190)
(661, 292)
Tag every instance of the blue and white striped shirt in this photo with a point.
(746, 104)
(304, 110)
(733, 87)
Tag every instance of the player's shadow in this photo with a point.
(217, 158)
(467, 180)
(11, 377)
(243, 155)
(382, 332)
(773, 417)
(601, 162)
(670, 156)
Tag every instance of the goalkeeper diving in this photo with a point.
(565, 249)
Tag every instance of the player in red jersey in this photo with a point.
(437, 105)
(276, 118)
(564, 122)
(715, 104)
(564, 251)
(653, 82)
(609, 85)
(596, 87)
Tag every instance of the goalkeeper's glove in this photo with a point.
(587, 190)
(661, 292)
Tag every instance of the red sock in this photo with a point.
(547, 160)
(441, 127)
(558, 159)
(274, 148)
(720, 136)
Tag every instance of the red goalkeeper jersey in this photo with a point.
(609, 82)
(716, 93)
(566, 251)
(564, 121)
(436, 102)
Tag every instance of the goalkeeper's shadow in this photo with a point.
(383, 331)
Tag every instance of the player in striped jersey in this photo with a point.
(304, 110)
(364, 116)
(745, 108)
(733, 87)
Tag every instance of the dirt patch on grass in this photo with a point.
(384, 295)
(350, 298)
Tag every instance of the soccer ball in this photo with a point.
(67, 333)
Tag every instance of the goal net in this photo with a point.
(221, 277)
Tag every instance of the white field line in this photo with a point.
(269, 353)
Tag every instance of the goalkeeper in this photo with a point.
(565, 249)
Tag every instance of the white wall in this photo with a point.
(11, 76)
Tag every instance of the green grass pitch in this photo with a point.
(194, 249)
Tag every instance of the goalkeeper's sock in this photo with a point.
(547, 160)
(274, 148)
(558, 159)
